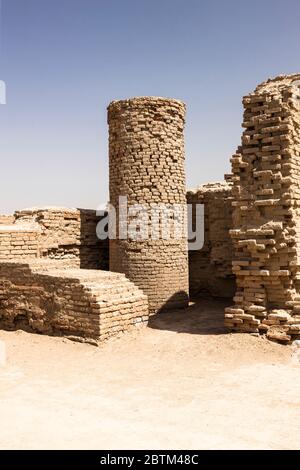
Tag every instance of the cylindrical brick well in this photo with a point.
(146, 149)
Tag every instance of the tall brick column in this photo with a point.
(146, 148)
(266, 215)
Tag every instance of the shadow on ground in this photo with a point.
(204, 316)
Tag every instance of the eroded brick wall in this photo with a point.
(67, 234)
(210, 268)
(266, 230)
(6, 219)
(18, 242)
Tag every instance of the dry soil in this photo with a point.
(183, 382)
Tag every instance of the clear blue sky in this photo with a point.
(63, 61)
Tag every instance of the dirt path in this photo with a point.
(182, 383)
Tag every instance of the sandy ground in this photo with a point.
(181, 383)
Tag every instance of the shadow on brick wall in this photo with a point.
(93, 253)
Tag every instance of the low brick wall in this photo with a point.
(18, 242)
(53, 297)
(6, 219)
(67, 234)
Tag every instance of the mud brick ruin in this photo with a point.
(266, 215)
(54, 297)
(57, 277)
(54, 233)
(146, 149)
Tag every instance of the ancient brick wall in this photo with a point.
(146, 147)
(210, 268)
(6, 219)
(18, 242)
(68, 234)
(54, 297)
(266, 213)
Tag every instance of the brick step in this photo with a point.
(86, 304)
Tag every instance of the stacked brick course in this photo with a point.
(18, 242)
(56, 298)
(266, 227)
(66, 234)
(6, 219)
(146, 147)
(210, 268)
